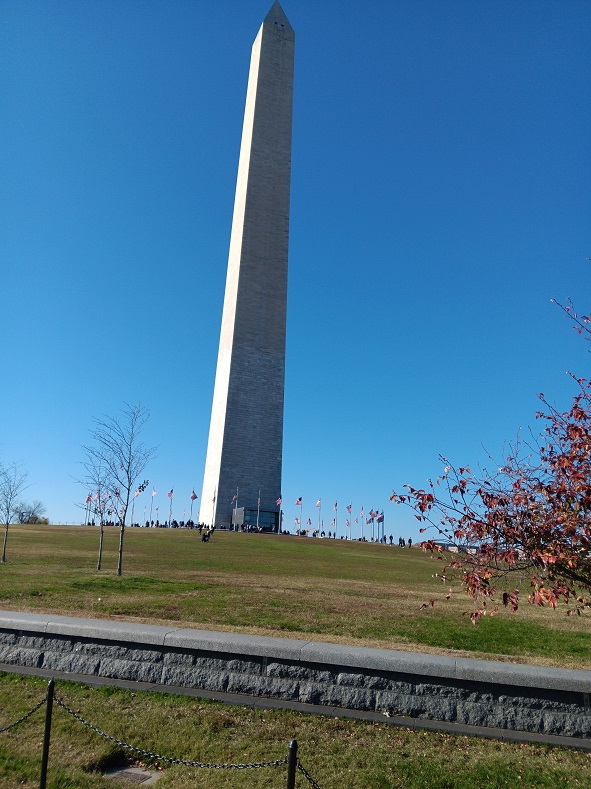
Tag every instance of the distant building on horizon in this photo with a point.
(245, 448)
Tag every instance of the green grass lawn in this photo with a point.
(337, 753)
(284, 586)
(329, 590)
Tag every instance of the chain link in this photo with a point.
(307, 775)
(25, 716)
(167, 759)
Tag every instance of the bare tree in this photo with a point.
(12, 483)
(117, 452)
(31, 512)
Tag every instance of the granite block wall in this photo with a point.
(479, 693)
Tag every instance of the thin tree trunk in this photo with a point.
(4, 546)
(120, 562)
(100, 556)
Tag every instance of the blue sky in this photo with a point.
(440, 199)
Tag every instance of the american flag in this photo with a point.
(348, 508)
(297, 520)
(308, 522)
(88, 499)
(154, 492)
(278, 502)
(234, 499)
(194, 496)
(332, 523)
(318, 503)
(299, 502)
(381, 517)
(170, 493)
(336, 506)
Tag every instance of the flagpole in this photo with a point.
(258, 509)
(319, 512)
(152, 504)
(236, 507)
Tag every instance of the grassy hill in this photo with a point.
(328, 590)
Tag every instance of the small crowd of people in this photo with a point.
(173, 524)
(402, 543)
(250, 528)
(206, 531)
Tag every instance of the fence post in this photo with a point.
(46, 736)
(292, 760)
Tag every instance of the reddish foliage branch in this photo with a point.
(531, 518)
(581, 323)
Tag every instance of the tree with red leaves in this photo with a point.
(530, 519)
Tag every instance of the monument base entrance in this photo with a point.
(255, 520)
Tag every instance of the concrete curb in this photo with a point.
(442, 666)
(488, 698)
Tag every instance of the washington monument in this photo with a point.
(242, 479)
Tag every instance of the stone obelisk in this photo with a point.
(244, 452)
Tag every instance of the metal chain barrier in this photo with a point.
(307, 775)
(167, 759)
(25, 716)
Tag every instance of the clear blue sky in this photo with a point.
(440, 199)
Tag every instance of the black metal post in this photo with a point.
(46, 736)
(292, 761)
